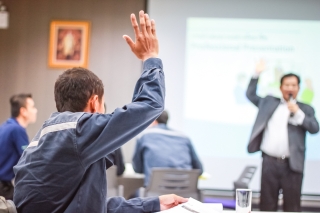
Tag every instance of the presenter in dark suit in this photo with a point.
(280, 133)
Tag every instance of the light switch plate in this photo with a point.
(4, 19)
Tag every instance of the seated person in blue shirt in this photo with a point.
(159, 146)
(64, 167)
(13, 139)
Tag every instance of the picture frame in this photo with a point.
(68, 44)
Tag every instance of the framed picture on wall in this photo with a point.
(69, 44)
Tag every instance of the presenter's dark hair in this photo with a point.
(18, 101)
(163, 118)
(74, 88)
(290, 75)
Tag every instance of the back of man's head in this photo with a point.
(18, 101)
(74, 88)
(163, 118)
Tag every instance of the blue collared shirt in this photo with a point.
(64, 167)
(13, 139)
(160, 146)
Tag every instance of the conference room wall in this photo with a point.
(24, 52)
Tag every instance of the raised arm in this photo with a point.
(252, 88)
(100, 134)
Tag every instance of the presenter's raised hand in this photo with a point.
(171, 200)
(146, 42)
(260, 66)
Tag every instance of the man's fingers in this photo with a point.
(171, 200)
(148, 23)
(142, 23)
(180, 199)
(135, 25)
(129, 41)
(153, 28)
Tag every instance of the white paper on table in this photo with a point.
(218, 207)
(192, 206)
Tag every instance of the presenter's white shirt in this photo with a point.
(275, 140)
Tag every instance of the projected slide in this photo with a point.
(220, 59)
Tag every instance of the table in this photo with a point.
(130, 180)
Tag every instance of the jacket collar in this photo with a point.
(161, 126)
(13, 121)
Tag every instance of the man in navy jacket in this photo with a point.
(63, 168)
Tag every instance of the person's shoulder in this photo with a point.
(155, 131)
(13, 128)
(271, 97)
(74, 118)
(89, 120)
(147, 132)
(67, 116)
(93, 116)
(304, 107)
(178, 134)
(12, 123)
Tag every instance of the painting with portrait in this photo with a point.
(68, 45)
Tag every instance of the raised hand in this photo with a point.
(146, 42)
(260, 66)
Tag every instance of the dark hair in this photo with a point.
(74, 88)
(18, 101)
(289, 75)
(163, 118)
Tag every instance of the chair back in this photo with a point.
(245, 178)
(182, 182)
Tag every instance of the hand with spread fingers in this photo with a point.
(146, 42)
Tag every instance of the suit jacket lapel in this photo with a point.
(265, 113)
(270, 107)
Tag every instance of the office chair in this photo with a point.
(245, 178)
(183, 182)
